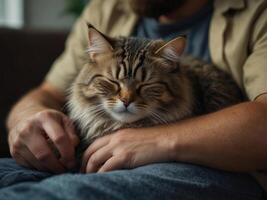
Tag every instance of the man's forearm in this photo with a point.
(36, 100)
(38, 132)
(232, 139)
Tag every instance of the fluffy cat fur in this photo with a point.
(131, 82)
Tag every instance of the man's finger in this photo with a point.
(98, 158)
(38, 146)
(27, 159)
(70, 129)
(99, 143)
(112, 164)
(61, 141)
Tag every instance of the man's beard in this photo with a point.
(154, 8)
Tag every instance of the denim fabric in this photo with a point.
(150, 182)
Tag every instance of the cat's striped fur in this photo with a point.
(131, 82)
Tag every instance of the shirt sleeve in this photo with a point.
(67, 66)
(255, 67)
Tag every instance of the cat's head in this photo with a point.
(130, 79)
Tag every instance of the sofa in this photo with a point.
(25, 58)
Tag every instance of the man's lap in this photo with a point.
(11, 173)
(155, 181)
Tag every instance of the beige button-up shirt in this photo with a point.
(237, 39)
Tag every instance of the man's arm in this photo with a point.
(43, 97)
(232, 139)
(34, 119)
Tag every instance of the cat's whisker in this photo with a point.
(162, 119)
(82, 84)
(65, 107)
(94, 108)
(99, 113)
(156, 116)
(157, 119)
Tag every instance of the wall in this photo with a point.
(47, 14)
(11, 13)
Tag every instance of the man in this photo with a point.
(232, 35)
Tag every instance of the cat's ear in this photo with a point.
(173, 49)
(97, 42)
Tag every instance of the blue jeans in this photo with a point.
(150, 182)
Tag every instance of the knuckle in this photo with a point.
(24, 128)
(122, 134)
(59, 139)
(93, 160)
(126, 155)
(42, 156)
(24, 133)
(44, 115)
(127, 158)
(118, 139)
(49, 114)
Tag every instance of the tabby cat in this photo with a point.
(133, 82)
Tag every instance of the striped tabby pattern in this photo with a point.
(131, 82)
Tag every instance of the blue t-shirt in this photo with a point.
(196, 28)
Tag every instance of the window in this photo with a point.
(11, 13)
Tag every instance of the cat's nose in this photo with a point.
(126, 102)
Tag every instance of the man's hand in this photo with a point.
(29, 146)
(232, 139)
(127, 148)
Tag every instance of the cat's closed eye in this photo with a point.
(106, 86)
(99, 85)
(151, 90)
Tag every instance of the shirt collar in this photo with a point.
(225, 5)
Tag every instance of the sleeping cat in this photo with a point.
(133, 82)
